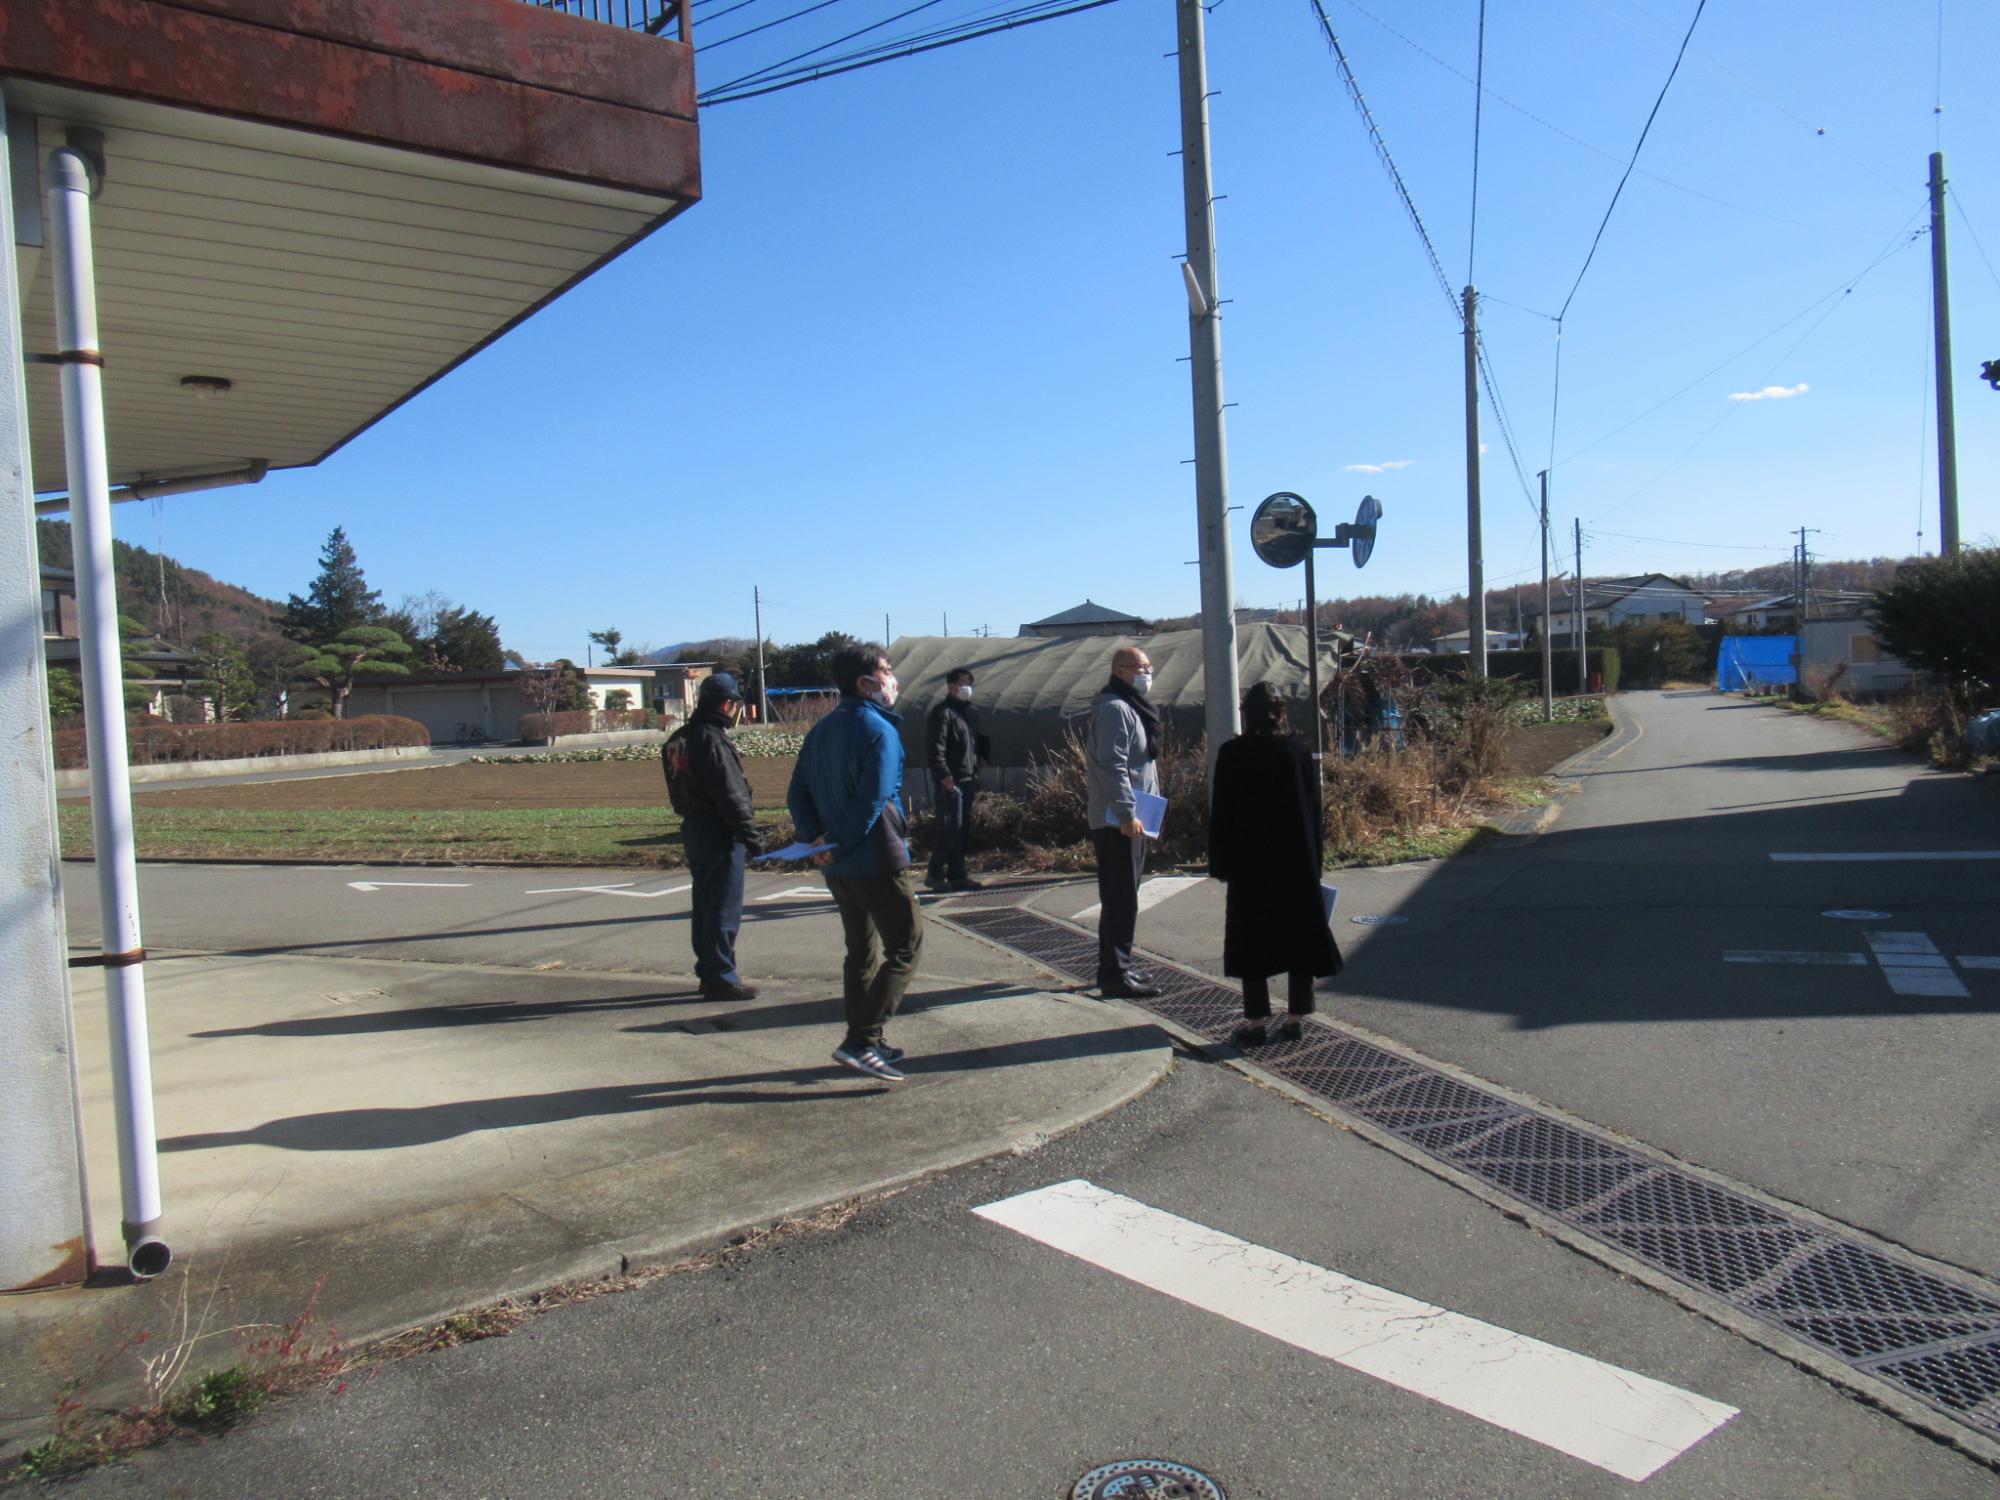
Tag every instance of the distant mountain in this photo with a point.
(722, 648)
(175, 601)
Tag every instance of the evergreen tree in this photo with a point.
(338, 600)
(363, 651)
(464, 640)
(225, 680)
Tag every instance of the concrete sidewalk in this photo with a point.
(418, 1138)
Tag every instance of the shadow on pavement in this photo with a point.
(385, 1128)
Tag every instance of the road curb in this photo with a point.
(1529, 822)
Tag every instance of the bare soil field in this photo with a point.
(1531, 749)
(592, 784)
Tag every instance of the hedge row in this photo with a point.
(1526, 666)
(152, 743)
(541, 729)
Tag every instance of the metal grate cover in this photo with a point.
(1933, 1339)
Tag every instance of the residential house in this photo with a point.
(1617, 601)
(1842, 653)
(464, 707)
(1496, 640)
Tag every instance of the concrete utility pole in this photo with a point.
(1475, 559)
(1941, 324)
(1800, 579)
(763, 703)
(1548, 647)
(1582, 619)
(1211, 453)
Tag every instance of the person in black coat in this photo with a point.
(706, 785)
(1266, 831)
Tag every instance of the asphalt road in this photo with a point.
(924, 1350)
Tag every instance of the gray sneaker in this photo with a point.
(869, 1060)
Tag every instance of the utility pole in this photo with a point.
(1941, 325)
(763, 703)
(1475, 560)
(1211, 453)
(1582, 619)
(885, 630)
(945, 620)
(1548, 648)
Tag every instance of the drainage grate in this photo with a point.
(1933, 1339)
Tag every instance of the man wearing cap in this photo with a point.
(706, 785)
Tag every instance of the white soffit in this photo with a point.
(327, 279)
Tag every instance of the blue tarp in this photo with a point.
(1749, 661)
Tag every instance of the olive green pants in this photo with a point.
(884, 928)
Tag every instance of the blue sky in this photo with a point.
(917, 351)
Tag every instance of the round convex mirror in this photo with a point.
(1284, 529)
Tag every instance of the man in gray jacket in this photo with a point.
(1124, 760)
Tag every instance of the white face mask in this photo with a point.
(963, 692)
(885, 690)
(1142, 684)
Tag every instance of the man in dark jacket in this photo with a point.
(845, 794)
(706, 786)
(957, 749)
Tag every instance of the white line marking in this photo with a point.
(800, 893)
(436, 885)
(1913, 966)
(1869, 858)
(1151, 893)
(622, 889)
(1782, 956)
(1975, 961)
(1627, 1423)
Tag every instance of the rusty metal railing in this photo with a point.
(653, 17)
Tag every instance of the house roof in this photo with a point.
(1088, 613)
(1602, 593)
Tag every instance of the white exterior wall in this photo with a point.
(44, 1233)
(638, 684)
(1827, 645)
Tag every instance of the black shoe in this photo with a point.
(1290, 1029)
(1129, 988)
(932, 883)
(968, 884)
(1249, 1034)
(722, 989)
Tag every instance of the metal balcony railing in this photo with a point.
(653, 17)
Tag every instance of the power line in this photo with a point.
(839, 41)
(1737, 406)
(1900, 240)
(1667, 541)
(1389, 162)
(1966, 222)
(730, 93)
(795, 15)
(1594, 149)
(1478, 110)
(1653, 114)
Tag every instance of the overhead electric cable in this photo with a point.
(1737, 406)
(1965, 223)
(1645, 130)
(1596, 150)
(1478, 110)
(1900, 240)
(795, 15)
(730, 93)
(1389, 162)
(839, 40)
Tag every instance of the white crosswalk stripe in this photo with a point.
(1151, 893)
(1627, 1423)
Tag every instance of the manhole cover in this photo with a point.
(1855, 914)
(1378, 919)
(1146, 1479)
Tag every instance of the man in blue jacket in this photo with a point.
(846, 793)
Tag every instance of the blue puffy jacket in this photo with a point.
(847, 787)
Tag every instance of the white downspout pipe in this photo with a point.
(123, 955)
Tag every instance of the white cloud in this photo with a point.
(1771, 393)
(1382, 468)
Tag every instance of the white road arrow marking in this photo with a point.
(1627, 1423)
(800, 893)
(436, 885)
(624, 888)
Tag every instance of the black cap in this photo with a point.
(718, 687)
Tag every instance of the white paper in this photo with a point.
(793, 851)
(1151, 811)
(1327, 896)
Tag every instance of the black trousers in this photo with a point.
(1257, 995)
(1120, 862)
(954, 826)
(884, 930)
(715, 866)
